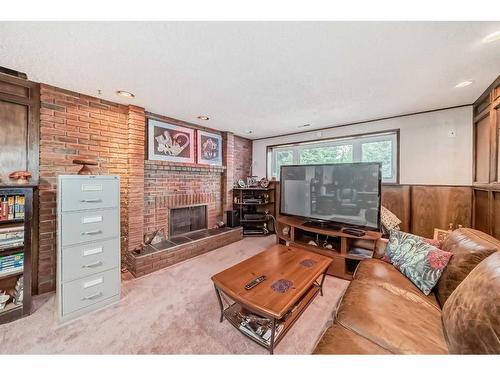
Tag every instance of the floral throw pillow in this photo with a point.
(419, 261)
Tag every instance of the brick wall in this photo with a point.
(75, 125)
(135, 201)
(227, 177)
(168, 185)
(242, 155)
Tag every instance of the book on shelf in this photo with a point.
(11, 262)
(12, 207)
(11, 237)
(19, 207)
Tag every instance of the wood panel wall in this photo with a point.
(396, 198)
(486, 161)
(423, 208)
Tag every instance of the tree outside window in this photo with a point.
(380, 151)
(326, 155)
(283, 157)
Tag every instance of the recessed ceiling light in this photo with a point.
(463, 84)
(249, 131)
(206, 118)
(492, 37)
(125, 94)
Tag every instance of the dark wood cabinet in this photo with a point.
(16, 244)
(20, 139)
(19, 129)
(486, 161)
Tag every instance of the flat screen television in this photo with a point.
(346, 194)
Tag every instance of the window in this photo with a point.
(381, 147)
(328, 154)
(379, 151)
(283, 157)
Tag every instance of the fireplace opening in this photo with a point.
(187, 219)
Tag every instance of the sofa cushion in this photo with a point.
(469, 247)
(376, 272)
(398, 325)
(340, 340)
(422, 263)
(471, 315)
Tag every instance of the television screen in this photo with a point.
(341, 193)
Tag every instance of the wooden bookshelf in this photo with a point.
(346, 252)
(9, 277)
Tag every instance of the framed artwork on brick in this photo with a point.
(170, 142)
(209, 148)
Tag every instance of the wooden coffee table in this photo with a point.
(293, 278)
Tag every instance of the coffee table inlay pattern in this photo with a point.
(293, 278)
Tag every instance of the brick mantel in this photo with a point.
(186, 167)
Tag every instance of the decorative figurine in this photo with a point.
(266, 231)
(252, 181)
(21, 177)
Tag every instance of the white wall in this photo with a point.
(427, 154)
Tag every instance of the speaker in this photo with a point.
(233, 218)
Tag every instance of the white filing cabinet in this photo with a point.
(88, 243)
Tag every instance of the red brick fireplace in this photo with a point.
(168, 185)
(75, 125)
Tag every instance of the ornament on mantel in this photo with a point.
(84, 170)
(21, 177)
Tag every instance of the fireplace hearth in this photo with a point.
(180, 248)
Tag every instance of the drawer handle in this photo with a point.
(92, 296)
(92, 265)
(91, 200)
(92, 232)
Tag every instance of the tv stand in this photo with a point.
(345, 249)
(322, 225)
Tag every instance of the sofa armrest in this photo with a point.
(380, 246)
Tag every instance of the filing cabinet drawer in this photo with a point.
(89, 193)
(90, 290)
(79, 227)
(84, 260)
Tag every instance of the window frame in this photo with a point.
(356, 140)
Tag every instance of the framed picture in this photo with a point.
(170, 142)
(209, 148)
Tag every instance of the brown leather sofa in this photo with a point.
(383, 312)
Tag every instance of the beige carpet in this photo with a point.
(172, 311)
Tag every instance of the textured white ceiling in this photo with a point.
(268, 77)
